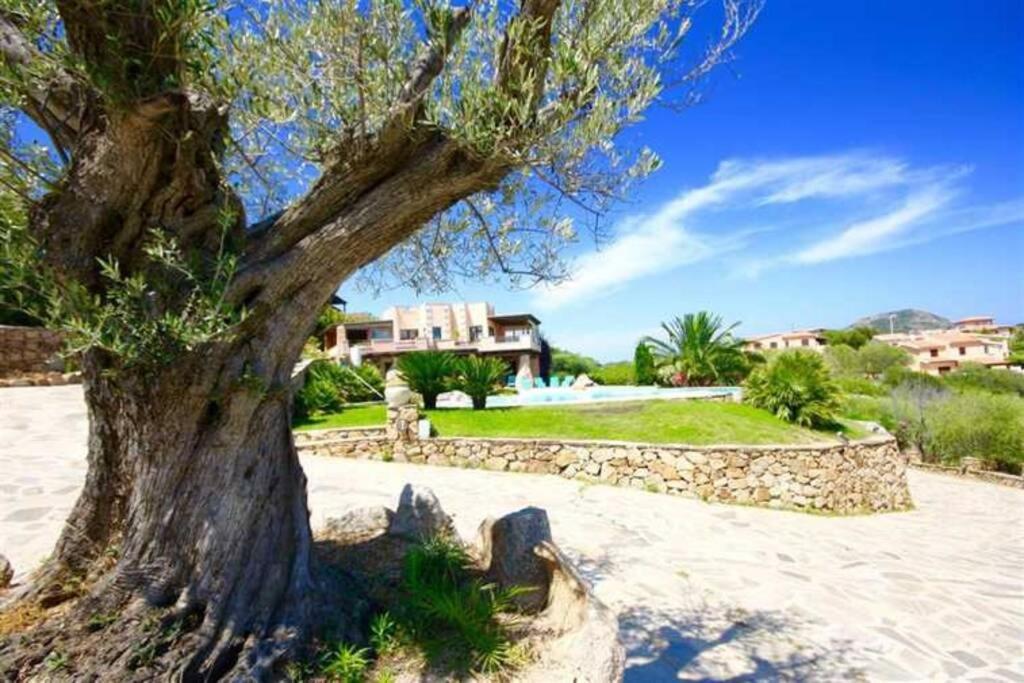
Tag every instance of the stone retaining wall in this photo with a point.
(1001, 478)
(25, 350)
(862, 476)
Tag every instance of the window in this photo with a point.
(435, 332)
(774, 345)
(475, 332)
(805, 342)
(406, 335)
(963, 350)
(934, 353)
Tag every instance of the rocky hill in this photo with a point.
(906, 320)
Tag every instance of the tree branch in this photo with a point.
(56, 103)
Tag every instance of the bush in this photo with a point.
(795, 386)
(875, 358)
(478, 376)
(614, 374)
(860, 385)
(568, 363)
(993, 380)
(897, 376)
(644, 372)
(329, 386)
(976, 424)
(428, 373)
(853, 338)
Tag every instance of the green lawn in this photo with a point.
(356, 416)
(693, 422)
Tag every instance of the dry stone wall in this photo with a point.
(26, 350)
(868, 475)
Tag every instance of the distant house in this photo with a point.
(937, 352)
(982, 324)
(813, 340)
(461, 328)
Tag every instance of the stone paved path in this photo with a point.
(703, 592)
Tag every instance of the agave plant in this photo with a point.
(699, 349)
(477, 377)
(427, 373)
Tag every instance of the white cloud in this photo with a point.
(831, 193)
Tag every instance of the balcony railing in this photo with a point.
(483, 345)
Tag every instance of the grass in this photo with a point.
(690, 422)
(356, 416)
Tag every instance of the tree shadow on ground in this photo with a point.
(727, 644)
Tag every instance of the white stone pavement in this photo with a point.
(703, 592)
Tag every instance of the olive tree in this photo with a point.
(210, 174)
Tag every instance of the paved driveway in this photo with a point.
(703, 591)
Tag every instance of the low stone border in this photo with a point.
(861, 476)
(41, 379)
(1001, 478)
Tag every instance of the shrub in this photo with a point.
(614, 374)
(329, 386)
(992, 380)
(973, 423)
(853, 338)
(453, 614)
(428, 373)
(898, 375)
(875, 358)
(644, 372)
(860, 385)
(478, 376)
(319, 393)
(568, 363)
(842, 360)
(795, 386)
(346, 663)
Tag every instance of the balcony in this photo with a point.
(497, 344)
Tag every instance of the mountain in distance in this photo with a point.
(905, 320)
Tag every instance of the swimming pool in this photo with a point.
(597, 394)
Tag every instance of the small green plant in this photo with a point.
(345, 663)
(98, 622)
(427, 373)
(384, 636)
(795, 386)
(644, 371)
(453, 615)
(478, 376)
(56, 661)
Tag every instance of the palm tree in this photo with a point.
(699, 350)
(427, 373)
(477, 376)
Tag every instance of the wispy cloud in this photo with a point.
(849, 205)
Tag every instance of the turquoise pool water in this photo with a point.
(532, 397)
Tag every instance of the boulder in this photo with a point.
(583, 382)
(507, 554)
(358, 526)
(6, 572)
(579, 636)
(419, 515)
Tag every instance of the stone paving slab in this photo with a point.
(703, 592)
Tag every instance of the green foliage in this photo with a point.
(854, 337)
(345, 663)
(875, 358)
(899, 375)
(328, 318)
(986, 426)
(860, 385)
(478, 376)
(614, 374)
(329, 386)
(144, 319)
(427, 373)
(699, 350)
(982, 378)
(644, 371)
(1017, 346)
(384, 635)
(795, 386)
(454, 616)
(568, 363)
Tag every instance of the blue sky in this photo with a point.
(866, 156)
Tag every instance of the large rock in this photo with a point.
(6, 572)
(507, 552)
(576, 636)
(419, 515)
(359, 525)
